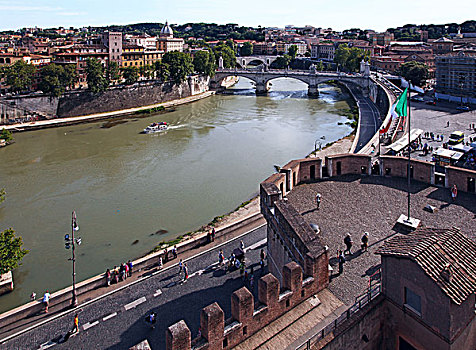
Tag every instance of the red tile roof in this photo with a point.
(438, 251)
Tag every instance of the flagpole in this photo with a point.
(408, 168)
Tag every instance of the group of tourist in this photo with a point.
(118, 274)
(348, 244)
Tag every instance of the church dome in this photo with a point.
(166, 31)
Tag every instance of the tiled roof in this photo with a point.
(436, 251)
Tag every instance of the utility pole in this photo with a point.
(70, 242)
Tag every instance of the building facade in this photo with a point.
(456, 76)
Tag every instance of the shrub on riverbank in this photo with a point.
(151, 110)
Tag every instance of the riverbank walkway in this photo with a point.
(41, 124)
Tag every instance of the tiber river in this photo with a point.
(126, 186)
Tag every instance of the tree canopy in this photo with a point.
(19, 76)
(179, 65)
(11, 252)
(416, 72)
(6, 135)
(161, 71)
(130, 75)
(204, 62)
(113, 72)
(227, 53)
(95, 75)
(292, 51)
(54, 78)
(246, 49)
(349, 58)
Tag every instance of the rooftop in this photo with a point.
(440, 253)
(351, 204)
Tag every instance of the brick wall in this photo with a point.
(461, 178)
(341, 164)
(248, 315)
(397, 166)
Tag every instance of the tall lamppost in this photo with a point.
(70, 243)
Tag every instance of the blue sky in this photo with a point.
(343, 14)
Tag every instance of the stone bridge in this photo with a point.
(244, 61)
(262, 76)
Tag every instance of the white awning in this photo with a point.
(400, 144)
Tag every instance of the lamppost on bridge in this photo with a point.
(70, 242)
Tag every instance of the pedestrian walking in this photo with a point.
(151, 319)
(221, 258)
(108, 277)
(160, 263)
(242, 246)
(242, 268)
(318, 201)
(447, 123)
(166, 256)
(46, 300)
(252, 281)
(76, 324)
(348, 243)
(213, 234)
(262, 254)
(245, 276)
(180, 265)
(185, 271)
(454, 192)
(341, 261)
(174, 251)
(129, 265)
(365, 241)
(33, 296)
(126, 271)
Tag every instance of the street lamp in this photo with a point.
(70, 243)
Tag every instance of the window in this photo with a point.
(412, 300)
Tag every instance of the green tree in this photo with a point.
(95, 75)
(11, 252)
(228, 55)
(349, 58)
(19, 76)
(6, 135)
(319, 66)
(416, 72)
(292, 51)
(113, 72)
(204, 62)
(54, 79)
(282, 62)
(246, 49)
(179, 65)
(162, 70)
(146, 71)
(130, 75)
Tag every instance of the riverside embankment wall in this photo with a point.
(84, 102)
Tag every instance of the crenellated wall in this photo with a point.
(247, 314)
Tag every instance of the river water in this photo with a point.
(126, 186)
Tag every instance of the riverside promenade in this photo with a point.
(50, 123)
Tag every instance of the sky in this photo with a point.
(337, 14)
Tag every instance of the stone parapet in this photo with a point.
(248, 316)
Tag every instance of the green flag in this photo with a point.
(401, 104)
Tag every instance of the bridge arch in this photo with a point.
(244, 61)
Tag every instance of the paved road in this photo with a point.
(117, 320)
(369, 119)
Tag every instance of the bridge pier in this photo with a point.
(313, 91)
(261, 88)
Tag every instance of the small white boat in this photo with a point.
(155, 127)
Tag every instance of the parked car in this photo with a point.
(462, 108)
